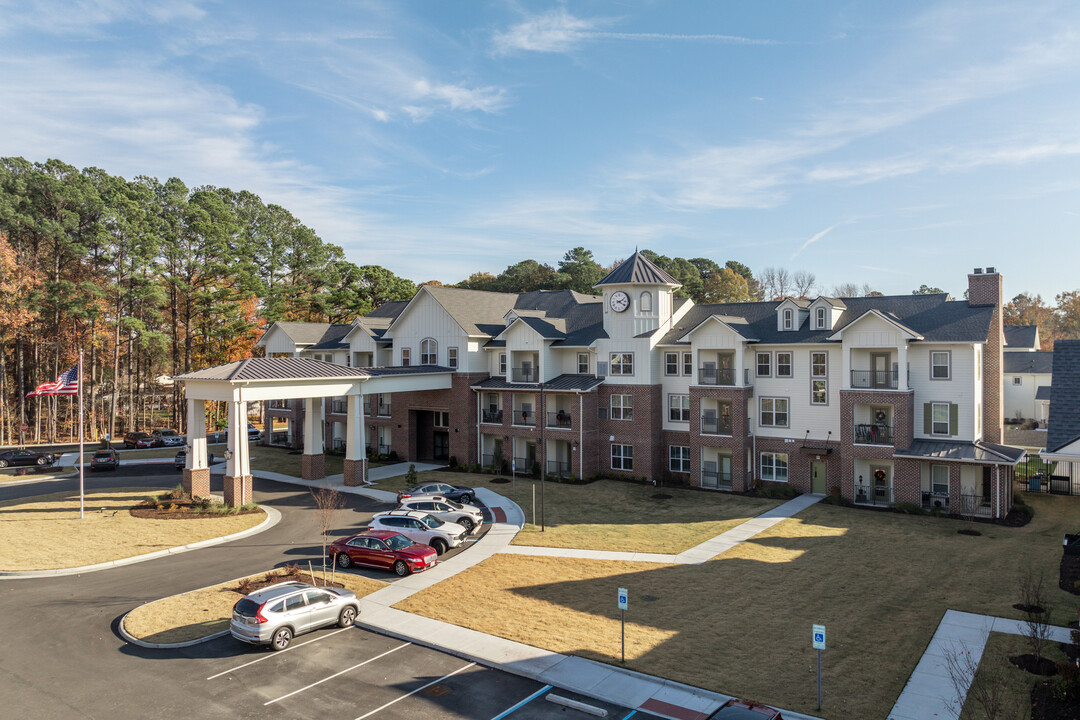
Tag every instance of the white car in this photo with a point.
(467, 516)
(420, 527)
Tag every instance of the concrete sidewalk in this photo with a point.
(338, 481)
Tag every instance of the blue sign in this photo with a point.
(624, 597)
(819, 637)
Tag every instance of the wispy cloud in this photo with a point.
(814, 238)
(87, 17)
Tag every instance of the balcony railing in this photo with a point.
(523, 466)
(931, 500)
(279, 404)
(339, 407)
(559, 419)
(524, 417)
(873, 434)
(558, 467)
(712, 425)
(384, 449)
(525, 374)
(874, 379)
(716, 480)
(974, 505)
(880, 495)
(716, 376)
(383, 410)
(491, 416)
(492, 461)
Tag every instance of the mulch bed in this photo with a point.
(1027, 662)
(1036, 609)
(968, 531)
(180, 510)
(660, 496)
(1045, 705)
(289, 573)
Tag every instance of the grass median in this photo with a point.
(204, 612)
(880, 582)
(45, 532)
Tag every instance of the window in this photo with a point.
(819, 392)
(940, 418)
(679, 459)
(645, 302)
(939, 479)
(622, 407)
(783, 364)
(451, 357)
(622, 457)
(688, 364)
(764, 364)
(622, 363)
(679, 408)
(788, 319)
(818, 364)
(821, 318)
(939, 365)
(774, 412)
(502, 363)
(774, 467)
(819, 383)
(405, 353)
(1018, 380)
(429, 352)
(671, 363)
(583, 363)
(442, 419)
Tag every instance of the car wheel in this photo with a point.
(401, 568)
(43, 461)
(282, 638)
(466, 523)
(440, 546)
(347, 617)
(466, 499)
(3, 463)
(343, 560)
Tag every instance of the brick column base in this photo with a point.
(237, 490)
(355, 472)
(197, 482)
(313, 467)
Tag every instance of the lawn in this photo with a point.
(995, 667)
(45, 532)
(282, 460)
(880, 582)
(200, 613)
(12, 475)
(218, 449)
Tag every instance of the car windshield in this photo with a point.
(247, 608)
(139, 435)
(431, 521)
(166, 433)
(106, 454)
(399, 542)
(451, 503)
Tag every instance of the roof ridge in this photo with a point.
(238, 368)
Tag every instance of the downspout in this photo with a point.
(479, 437)
(581, 436)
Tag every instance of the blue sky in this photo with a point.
(889, 143)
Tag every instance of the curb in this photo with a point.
(132, 640)
(273, 517)
(30, 481)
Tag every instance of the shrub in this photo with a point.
(909, 508)
(411, 475)
(777, 492)
(1018, 500)
(393, 456)
(453, 461)
(835, 499)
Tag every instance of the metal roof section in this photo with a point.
(1037, 362)
(563, 383)
(979, 452)
(397, 370)
(254, 369)
(1063, 427)
(1021, 337)
(638, 270)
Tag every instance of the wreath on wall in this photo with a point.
(879, 475)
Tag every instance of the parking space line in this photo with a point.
(278, 654)
(523, 703)
(331, 677)
(422, 687)
(632, 714)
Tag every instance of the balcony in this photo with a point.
(493, 461)
(527, 374)
(339, 407)
(384, 449)
(523, 466)
(383, 410)
(716, 480)
(559, 419)
(873, 434)
(876, 379)
(712, 425)
(558, 467)
(716, 376)
(974, 506)
(879, 495)
(931, 500)
(493, 417)
(525, 418)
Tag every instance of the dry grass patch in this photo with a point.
(1018, 683)
(201, 613)
(282, 460)
(29, 529)
(879, 581)
(11, 474)
(218, 450)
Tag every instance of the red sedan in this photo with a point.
(383, 549)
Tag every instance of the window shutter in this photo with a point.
(954, 419)
(928, 419)
(602, 412)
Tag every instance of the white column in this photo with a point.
(196, 435)
(237, 439)
(740, 363)
(901, 367)
(312, 418)
(845, 363)
(354, 429)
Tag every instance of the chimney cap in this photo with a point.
(978, 271)
(991, 271)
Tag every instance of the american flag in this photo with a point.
(66, 384)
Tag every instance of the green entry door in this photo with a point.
(817, 478)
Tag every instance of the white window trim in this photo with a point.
(825, 382)
(948, 418)
(682, 410)
(790, 364)
(623, 407)
(502, 364)
(667, 364)
(825, 374)
(621, 365)
(579, 363)
(688, 364)
(406, 357)
(683, 457)
(622, 457)
(773, 412)
(788, 320)
(429, 358)
(948, 364)
(757, 363)
(772, 466)
(452, 357)
(645, 299)
(820, 315)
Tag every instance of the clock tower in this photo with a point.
(637, 297)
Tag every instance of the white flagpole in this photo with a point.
(82, 491)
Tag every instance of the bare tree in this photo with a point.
(846, 290)
(803, 282)
(328, 503)
(985, 683)
(868, 291)
(1035, 604)
(775, 283)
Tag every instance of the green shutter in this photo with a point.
(954, 419)
(928, 419)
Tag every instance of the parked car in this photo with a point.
(274, 615)
(383, 549)
(456, 493)
(254, 433)
(421, 528)
(138, 440)
(467, 516)
(105, 460)
(26, 457)
(735, 709)
(164, 437)
(181, 459)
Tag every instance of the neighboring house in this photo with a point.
(882, 400)
(1027, 383)
(1063, 431)
(1022, 338)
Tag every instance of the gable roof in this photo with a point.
(835, 302)
(1021, 337)
(1039, 361)
(333, 338)
(887, 317)
(737, 325)
(1063, 427)
(638, 270)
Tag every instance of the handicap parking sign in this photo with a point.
(623, 599)
(819, 637)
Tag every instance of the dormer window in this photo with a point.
(510, 318)
(821, 318)
(788, 319)
(645, 302)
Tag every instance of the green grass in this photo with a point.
(281, 460)
(995, 667)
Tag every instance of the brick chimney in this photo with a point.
(985, 290)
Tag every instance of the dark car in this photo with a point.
(383, 549)
(463, 495)
(26, 457)
(105, 460)
(181, 459)
(138, 440)
(735, 709)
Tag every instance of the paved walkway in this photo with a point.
(929, 692)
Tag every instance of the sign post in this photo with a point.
(819, 645)
(624, 598)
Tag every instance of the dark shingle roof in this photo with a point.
(639, 270)
(1064, 424)
(1043, 392)
(976, 452)
(274, 369)
(1020, 336)
(566, 383)
(333, 338)
(388, 309)
(407, 370)
(1029, 362)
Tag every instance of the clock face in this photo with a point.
(619, 301)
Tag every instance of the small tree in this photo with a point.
(328, 503)
(411, 475)
(986, 684)
(1034, 603)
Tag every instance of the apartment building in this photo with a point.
(882, 400)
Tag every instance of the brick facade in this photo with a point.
(197, 482)
(986, 289)
(903, 409)
(312, 466)
(355, 472)
(735, 443)
(642, 432)
(238, 490)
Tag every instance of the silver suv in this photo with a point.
(273, 615)
(421, 528)
(467, 516)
